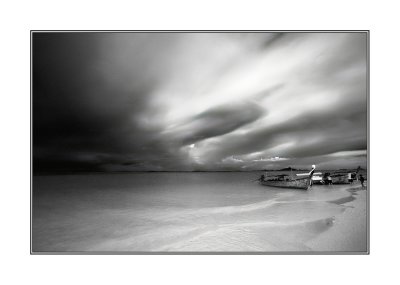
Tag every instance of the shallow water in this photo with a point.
(178, 212)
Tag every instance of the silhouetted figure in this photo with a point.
(329, 179)
(362, 180)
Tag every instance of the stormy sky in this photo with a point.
(198, 101)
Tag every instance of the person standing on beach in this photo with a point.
(329, 180)
(362, 180)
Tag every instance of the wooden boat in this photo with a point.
(300, 183)
(344, 177)
(340, 178)
(285, 181)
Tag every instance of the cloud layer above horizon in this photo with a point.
(198, 101)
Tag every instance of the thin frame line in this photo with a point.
(367, 252)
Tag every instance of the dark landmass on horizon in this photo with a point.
(48, 173)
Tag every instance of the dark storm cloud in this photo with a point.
(320, 130)
(313, 134)
(79, 118)
(317, 133)
(164, 101)
(215, 122)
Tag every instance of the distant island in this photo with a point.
(289, 169)
(83, 171)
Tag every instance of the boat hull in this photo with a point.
(340, 180)
(303, 184)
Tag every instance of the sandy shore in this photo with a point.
(195, 213)
(349, 233)
(333, 221)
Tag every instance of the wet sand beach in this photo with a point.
(350, 230)
(193, 212)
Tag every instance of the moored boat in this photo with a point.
(285, 181)
(344, 177)
(300, 183)
(339, 178)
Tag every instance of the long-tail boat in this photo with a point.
(286, 181)
(344, 177)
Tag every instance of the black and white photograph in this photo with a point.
(199, 142)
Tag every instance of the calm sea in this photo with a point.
(201, 211)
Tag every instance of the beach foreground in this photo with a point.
(193, 212)
(350, 230)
